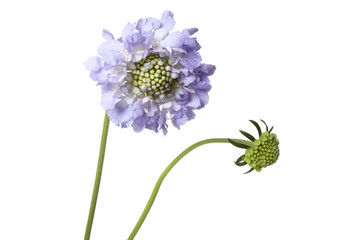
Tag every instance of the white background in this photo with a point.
(294, 64)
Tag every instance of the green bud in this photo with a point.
(261, 152)
(267, 151)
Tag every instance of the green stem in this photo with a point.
(97, 177)
(167, 170)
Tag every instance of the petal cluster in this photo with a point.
(150, 75)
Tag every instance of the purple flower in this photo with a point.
(151, 75)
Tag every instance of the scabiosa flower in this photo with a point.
(262, 153)
(149, 75)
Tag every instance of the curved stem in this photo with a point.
(167, 170)
(97, 177)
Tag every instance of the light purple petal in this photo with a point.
(162, 117)
(188, 79)
(111, 51)
(120, 113)
(180, 121)
(177, 49)
(194, 101)
(126, 89)
(167, 20)
(107, 35)
(138, 45)
(191, 60)
(101, 76)
(179, 118)
(147, 24)
(118, 73)
(174, 40)
(109, 95)
(162, 121)
(152, 125)
(207, 69)
(139, 123)
(137, 109)
(182, 97)
(203, 85)
(150, 107)
(175, 106)
(164, 129)
(167, 24)
(204, 97)
(190, 114)
(191, 31)
(160, 34)
(128, 30)
(182, 116)
(93, 64)
(126, 124)
(191, 44)
(152, 110)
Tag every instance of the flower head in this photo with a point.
(260, 153)
(149, 75)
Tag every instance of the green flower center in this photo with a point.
(264, 153)
(153, 76)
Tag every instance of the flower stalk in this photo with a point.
(167, 170)
(97, 177)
